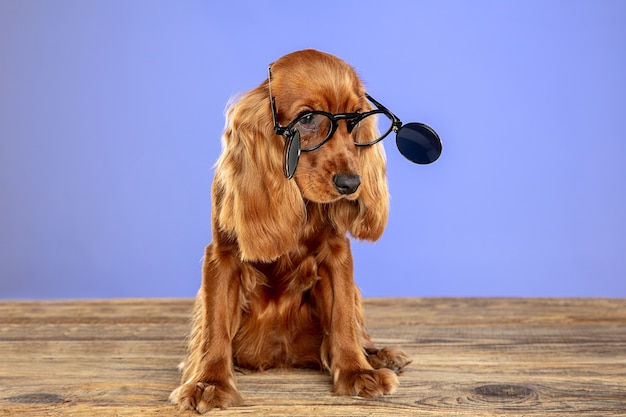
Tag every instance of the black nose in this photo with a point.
(346, 183)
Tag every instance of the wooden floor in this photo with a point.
(472, 357)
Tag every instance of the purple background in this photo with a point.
(111, 114)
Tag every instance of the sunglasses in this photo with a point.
(310, 130)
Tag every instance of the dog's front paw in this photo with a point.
(365, 383)
(204, 396)
(389, 358)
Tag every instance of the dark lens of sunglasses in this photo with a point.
(292, 154)
(418, 143)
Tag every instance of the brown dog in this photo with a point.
(277, 285)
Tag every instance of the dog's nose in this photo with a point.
(346, 183)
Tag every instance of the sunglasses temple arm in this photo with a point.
(278, 129)
(397, 124)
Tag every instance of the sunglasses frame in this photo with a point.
(353, 120)
(421, 145)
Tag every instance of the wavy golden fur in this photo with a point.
(277, 286)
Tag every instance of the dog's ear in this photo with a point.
(258, 206)
(373, 201)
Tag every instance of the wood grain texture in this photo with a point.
(472, 357)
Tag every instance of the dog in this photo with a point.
(277, 279)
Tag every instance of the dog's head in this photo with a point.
(309, 81)
(262, 208)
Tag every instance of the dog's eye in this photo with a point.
(314, 129)
(307, 123)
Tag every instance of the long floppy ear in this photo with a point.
(258, 206)
(373, 201)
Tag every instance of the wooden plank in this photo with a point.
(479, 357)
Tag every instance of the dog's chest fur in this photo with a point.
(281, 326)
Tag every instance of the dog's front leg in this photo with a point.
(208, 380)
(343, 347)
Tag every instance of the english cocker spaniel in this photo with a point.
(277, 283)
